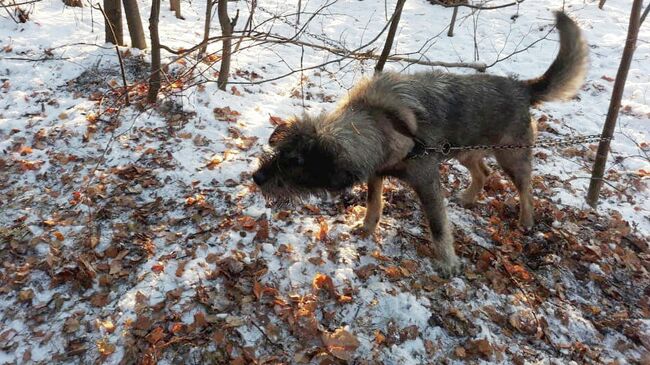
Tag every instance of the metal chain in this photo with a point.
(446, 148)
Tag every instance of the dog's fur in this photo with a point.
(373, 130)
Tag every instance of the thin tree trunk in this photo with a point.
(226, 32)
(614, 105)
(391, 36)
(206, 27)
(175, 5)
(154, 80)
(452, 23)
(134, 22)
(601, 3)
(113, 22)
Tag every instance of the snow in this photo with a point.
(40, 95)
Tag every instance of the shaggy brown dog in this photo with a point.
(371, 133)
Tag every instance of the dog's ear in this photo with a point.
(280, 133)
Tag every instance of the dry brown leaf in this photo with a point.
(238, 361)
(99, 299)
(158, 268)
(379, 337)
(199, 320)
(258, 289)
(322, 281)
(340, 343)
(262, 229)
(226, 114)
(25, 295)
(393, 272)
(181, 268)
(517, 271)
(71, 325)
(343, 299)
(247, 222)
(214, 162)
(322, 232)
(105, 348)
(156, 335)
(107, 325)
(365, 271)
(177, 327)
(316, 260)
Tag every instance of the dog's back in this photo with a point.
(480, 108)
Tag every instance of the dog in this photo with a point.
(374, 132)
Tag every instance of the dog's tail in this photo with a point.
(567, 73)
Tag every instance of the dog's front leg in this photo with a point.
(374, 203)
(425, 180)
(374, 206)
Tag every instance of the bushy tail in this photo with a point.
(567, 73)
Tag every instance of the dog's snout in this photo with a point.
(260, 177)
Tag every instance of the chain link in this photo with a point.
(446, 148)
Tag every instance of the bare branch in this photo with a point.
(477, 7)
(3, 5)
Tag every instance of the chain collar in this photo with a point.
(445, 148)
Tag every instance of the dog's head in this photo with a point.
(303, 162)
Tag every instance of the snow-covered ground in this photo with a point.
(135, 234)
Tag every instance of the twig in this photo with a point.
(278, 345)
(477, 7)
(479, 66)
(645, 14)
(162, 46)
(302, 77)
(522, 50)
(11, 15)
(249, 23)
(18, 4)
(34, 59)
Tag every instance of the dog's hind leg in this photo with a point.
(484, 167)
(479, 171)
(374, 204)
(425, 180)
(518, 166)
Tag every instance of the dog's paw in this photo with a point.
(463, 200)
(526, 224)
(449, 268)
(363, 230)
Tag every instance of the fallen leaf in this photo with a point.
(322, 232)
(158, 268)
(156, 335)
(99, 299)
(247, 222)
(262, 229)
(105, 348)
(379, 337)
(71, 325)
(107, 325)
(340, 343)
(322, 281)
(25, 295)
